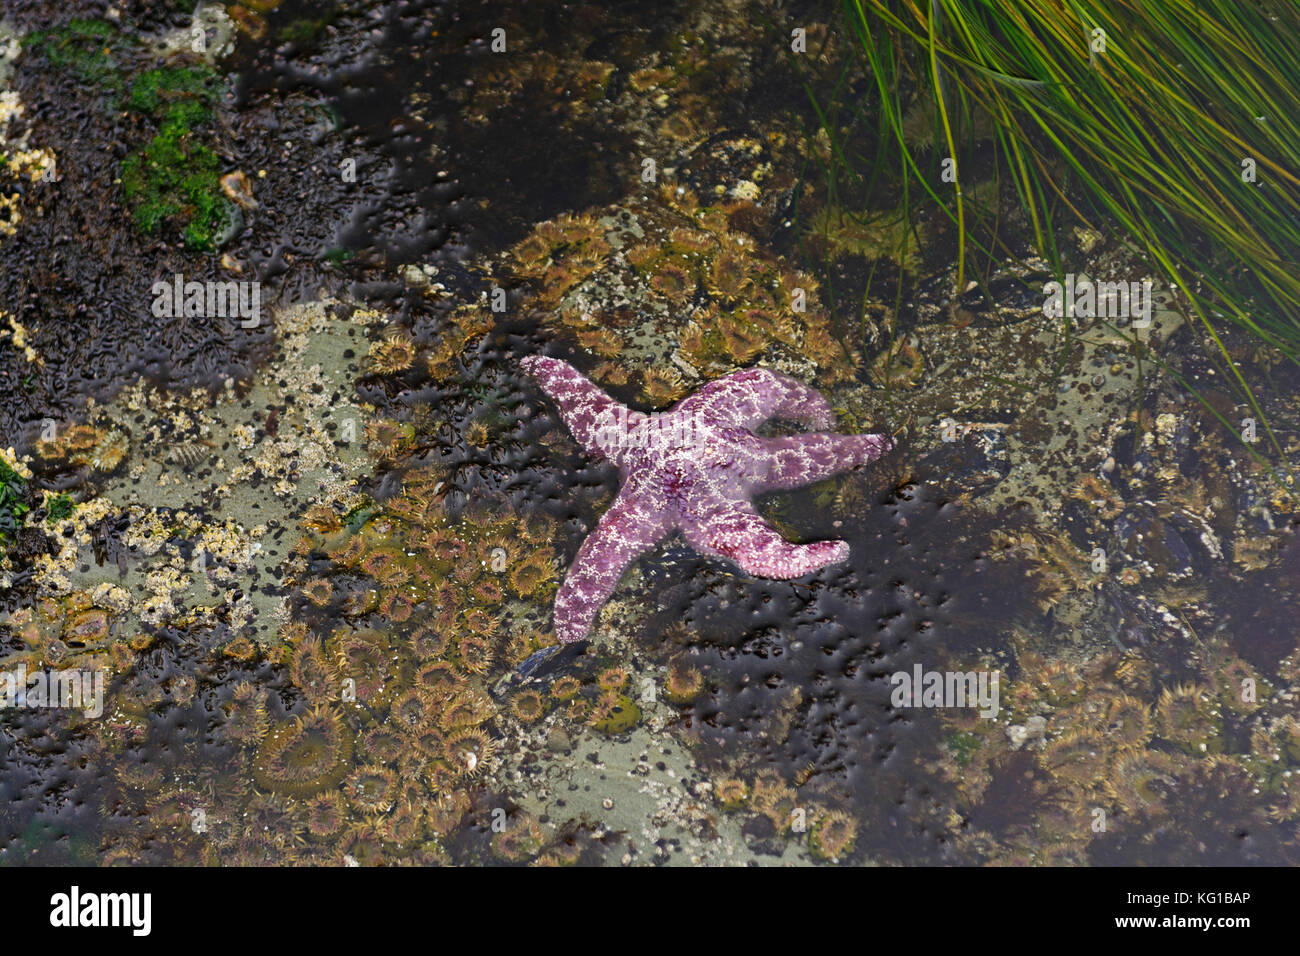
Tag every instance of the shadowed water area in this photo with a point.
(309, 557)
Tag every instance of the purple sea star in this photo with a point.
(695, 469)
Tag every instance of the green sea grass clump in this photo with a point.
(1173, 125)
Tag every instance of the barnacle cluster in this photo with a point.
(22, 169)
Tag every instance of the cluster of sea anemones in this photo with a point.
(102, 449)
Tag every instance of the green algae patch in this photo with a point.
(58, 507)
(618, 716)
(89, 49)
(176, 177)
(13, 508)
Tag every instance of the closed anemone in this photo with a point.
(304, 756)
(245, 713)
(520, 839)
(325, 814)
(312, 672)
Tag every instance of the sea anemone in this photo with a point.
(740, 340)
(1233, 678)
(348, 552)
(318, 591)
(245, 713)
(402, 827)
(603, 342)
(439, 777)
(311, 671)
(531, 255)
(362, 656)
(304, 756)
(1128, 721)
(577, 710)
(900, 365)
(683, 684)
(363, 844)
(389, 440)
(240, 649)
(396, 353)
(468, 707)
(832, 837)
(321, 519)
(1141, 781)
(372, 788)
(1187, 718)
(662, 385)
(383, 746)
(532, 575)
(612, 678)
(731, 793)
(437, 679)
(673, 282)
(528, 706)
(442, 363)
(410, 711)
(488, 591)
(109, 452)
(730, 274)
(88, 627)
(429, 741)
(477, 434)
(397, 606)
(1078, 759)
(445, 811)
(325, 814)
(475, 653)
(649, 77)
(566, 688)
(378, 562)
(521, 838)
(614, 714)
(771, 797)
(481, 622)
(466, 750)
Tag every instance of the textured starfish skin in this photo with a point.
(696, 469)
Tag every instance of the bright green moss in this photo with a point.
(88, 48)
(58, 507)
(12, 507)
(175, 176)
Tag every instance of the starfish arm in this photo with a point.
(733, 529)
(751, 396)
(629, 527)
(599, 423)
(796, 460)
